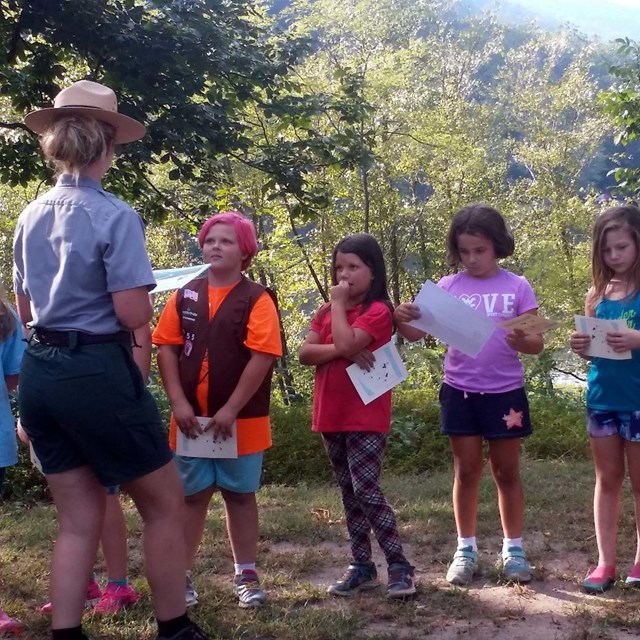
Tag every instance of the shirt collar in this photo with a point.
(67, 180)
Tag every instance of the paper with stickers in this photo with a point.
(598, 328)
(205, 445)
(388, 370)
(529, 324)
(452, 320)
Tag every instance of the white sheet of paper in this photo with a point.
(168, 279)
(451, 320)
(528, 324)
(598, 329)
(205, 446)
(388, 370)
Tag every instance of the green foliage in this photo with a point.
(297, 454)
(559, 430)
(415, 443)
(23, 482)
(622, 103)
(199, 74)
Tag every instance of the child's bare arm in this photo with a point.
(531, 344)
(314, 353)
(142, 350)
(183, 413)
(404, 313)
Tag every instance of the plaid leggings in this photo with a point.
(356, 458)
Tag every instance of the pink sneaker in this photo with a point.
(94, 593)
(115, 598)
(9, 625)
(600, 579)
(633, 579)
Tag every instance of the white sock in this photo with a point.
(468, 542)
(239, 568)
(507, 543)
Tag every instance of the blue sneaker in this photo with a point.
(358, 577)
(515, 566)
(463, 567)
(401, 583)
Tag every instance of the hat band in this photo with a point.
(83, 106)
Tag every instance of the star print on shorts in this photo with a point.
(514, 419)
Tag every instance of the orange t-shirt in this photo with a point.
(263, 335)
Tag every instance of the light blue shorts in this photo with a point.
(625, 424)
(240, 475)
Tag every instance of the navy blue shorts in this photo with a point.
(90, 406)
(490, 415)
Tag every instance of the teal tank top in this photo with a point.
(614, 385)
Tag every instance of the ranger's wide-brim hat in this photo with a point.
(91, 99)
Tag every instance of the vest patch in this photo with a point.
(189, 315)
(191, 295)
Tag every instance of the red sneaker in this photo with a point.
(9, 625)
(115, 598)
(94, 593)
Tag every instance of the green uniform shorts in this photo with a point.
(89, 406)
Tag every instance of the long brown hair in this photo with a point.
(7, 319)
(366, 247)
(627, 218)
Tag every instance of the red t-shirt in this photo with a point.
(336, 403)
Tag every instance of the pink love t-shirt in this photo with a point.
(497, 368)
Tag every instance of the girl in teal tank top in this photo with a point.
(604, 390)
(613, 386)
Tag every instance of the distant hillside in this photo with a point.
(604, 19)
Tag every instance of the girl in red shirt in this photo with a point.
(357, 321)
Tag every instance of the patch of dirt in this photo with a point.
(551, 607)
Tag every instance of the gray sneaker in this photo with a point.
(190, 593)
(250, 595)
(463, 567)
(515, 566)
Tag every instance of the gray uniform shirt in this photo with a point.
(73, 247)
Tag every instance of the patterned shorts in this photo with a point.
(625, 424)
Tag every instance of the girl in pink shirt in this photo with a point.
(483, 398)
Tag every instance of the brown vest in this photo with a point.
(223, 339)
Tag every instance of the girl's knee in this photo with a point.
(507, 478)
(468, 476)
(610, 483)
(85, 526)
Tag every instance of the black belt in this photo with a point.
(74, 339)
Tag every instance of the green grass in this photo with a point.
(304, 545)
